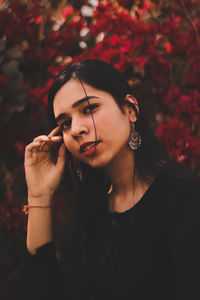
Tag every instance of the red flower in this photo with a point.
(158, 69)
(184, 105)
(168, 47)
(67, 11)
(177, 139)
(38, 20)
(140, 61)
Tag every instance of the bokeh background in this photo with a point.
(155, 43)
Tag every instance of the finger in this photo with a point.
(52, 140)
(34, 146)
(47, 139)
(29, 149)
(42, 144)
(37, 147)
(54, 131)
(41, 138)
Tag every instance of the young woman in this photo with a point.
(135, 228)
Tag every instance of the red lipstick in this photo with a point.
(88, 148)
(90, 151)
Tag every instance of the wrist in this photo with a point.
(44, 200)
(27, 207)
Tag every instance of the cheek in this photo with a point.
(120, 132)
(68, 144)
(104, 122)
(116, 125)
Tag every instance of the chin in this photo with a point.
(98, 163)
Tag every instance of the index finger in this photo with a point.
(54, 131)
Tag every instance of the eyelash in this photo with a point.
(91, 107)
(67, 123)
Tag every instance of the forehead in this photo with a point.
(73, 91)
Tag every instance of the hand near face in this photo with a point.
(44, 165)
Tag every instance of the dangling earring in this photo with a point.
(134, 139)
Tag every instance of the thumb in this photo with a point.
(61, 159)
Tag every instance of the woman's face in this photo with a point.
(73, 114)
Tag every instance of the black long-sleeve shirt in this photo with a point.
(151, 251)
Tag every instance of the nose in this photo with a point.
(78, 129)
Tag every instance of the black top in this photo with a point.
(151, 251)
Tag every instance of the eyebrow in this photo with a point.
(75, 104)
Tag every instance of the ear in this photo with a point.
(128, 108)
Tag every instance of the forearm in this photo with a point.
(39, 229)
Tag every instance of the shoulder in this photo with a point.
(179, 181)
(175, 190)
(181, 191)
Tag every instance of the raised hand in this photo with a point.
(44, 165)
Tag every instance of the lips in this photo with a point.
(86, 146)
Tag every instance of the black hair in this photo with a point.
(150, 156)
(88, 198)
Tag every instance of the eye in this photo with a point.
(65, 125)
(89, 108)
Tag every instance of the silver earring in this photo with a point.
(134, 139)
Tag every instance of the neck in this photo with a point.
(121, 172)
(126, 190)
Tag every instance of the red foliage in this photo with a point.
(156, 45)
(18, 22)
(179, 142)
(67, 11)
(41, 94)
(184, 105)
(192, 74)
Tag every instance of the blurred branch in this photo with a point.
(54, 13)
(46, 9)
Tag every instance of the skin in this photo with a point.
(113, 127)
(43, 173)
(113, 130)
